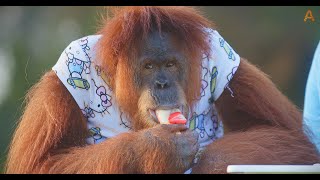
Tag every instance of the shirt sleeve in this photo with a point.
(74, 69)
(311, 113)
(223, 64)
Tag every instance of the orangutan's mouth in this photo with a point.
(153, 111)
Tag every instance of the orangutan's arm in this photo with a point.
(261, 126)
(50, 138)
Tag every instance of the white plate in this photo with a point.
(274, 169)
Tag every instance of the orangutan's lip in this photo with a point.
(154, 116)
(168, 107)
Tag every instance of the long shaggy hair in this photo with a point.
(261, 125)
(130, 26)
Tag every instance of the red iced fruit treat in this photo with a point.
(177, 118)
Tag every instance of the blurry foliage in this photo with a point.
(276, 39)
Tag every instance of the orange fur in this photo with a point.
(124, 33)
(51, 135)
(262, 125)
(51, 120)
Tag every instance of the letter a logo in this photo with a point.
(308, 16)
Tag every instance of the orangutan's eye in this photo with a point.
(170, 64)
(148, 66)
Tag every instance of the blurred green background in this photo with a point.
(276, 39)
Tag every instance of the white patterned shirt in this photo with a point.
(78, 71)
